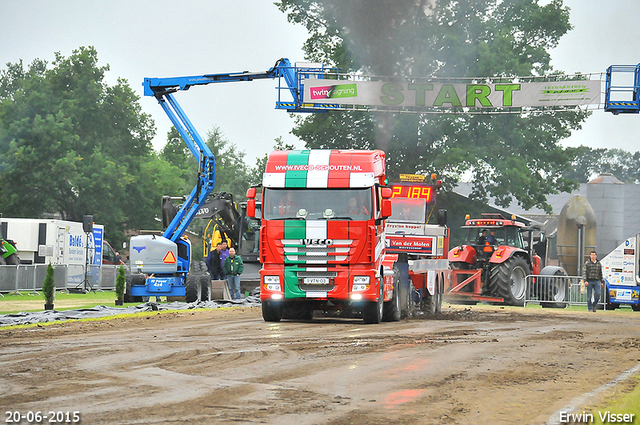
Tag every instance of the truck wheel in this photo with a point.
(635, 307)
(435, 301)
(12, 260)
(392, 310)
(271, 311)
(192, 288)
(410, 307)
(508, 280)
(205, 284)
(372, 311)
(554, 289)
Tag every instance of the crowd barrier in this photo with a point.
(28, 278)
(557, 291)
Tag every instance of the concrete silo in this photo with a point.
(606, 195)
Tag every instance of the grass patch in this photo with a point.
(14, 303)
(621, 402)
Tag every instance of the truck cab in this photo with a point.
(109, 255)
(322, 241)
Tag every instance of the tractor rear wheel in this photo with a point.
(554, 289)
(508, 280)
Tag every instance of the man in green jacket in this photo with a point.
(592, 277)
(233, 268)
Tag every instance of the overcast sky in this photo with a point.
(161, 38)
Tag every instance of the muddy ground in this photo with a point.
(480, 365)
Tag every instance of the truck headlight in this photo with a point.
(361, 283)
(272, 283)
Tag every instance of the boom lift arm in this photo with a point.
(162, 264)
(162, 89)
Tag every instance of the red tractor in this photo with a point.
(494, 262)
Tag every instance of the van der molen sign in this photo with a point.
(443, 95)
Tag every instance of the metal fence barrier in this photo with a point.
(558, 291)
(28, 278)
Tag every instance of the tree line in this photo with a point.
(71, 145)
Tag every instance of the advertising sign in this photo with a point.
(413, 245)
(445, 95)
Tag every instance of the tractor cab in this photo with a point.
(487, 234)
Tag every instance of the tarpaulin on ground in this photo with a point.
(105, 311)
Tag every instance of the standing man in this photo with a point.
(233, 267)
(592, 277)
(214, 264)
(224, 253)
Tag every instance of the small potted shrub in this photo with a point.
(120, 284)
(49, 289)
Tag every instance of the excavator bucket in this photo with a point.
(220, 290)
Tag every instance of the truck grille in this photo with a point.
(338, 251)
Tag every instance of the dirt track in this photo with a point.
(481, 365)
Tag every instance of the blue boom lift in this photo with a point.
(161, 265)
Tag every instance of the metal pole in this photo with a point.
(580, 249)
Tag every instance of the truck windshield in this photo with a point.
(317, 204)
(408, 210)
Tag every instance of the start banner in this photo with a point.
(443, 95)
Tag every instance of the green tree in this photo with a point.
(232, 174)
(71, 144)
(231, 171)
(507, 156)
(588, 163)
(176, 153)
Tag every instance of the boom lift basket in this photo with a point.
(621, 90)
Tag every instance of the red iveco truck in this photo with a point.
(323, 243)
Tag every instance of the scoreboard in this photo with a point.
(414, 191)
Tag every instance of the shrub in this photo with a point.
(120, 283)
(49, 286)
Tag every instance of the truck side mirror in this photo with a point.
(442, 217)
(251, 208)
(387, 193)
(251, 202)
(386, 208)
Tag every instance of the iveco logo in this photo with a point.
(316, 241)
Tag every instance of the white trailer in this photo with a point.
(621, 270)
(59, 242)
